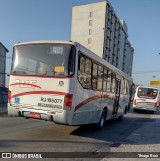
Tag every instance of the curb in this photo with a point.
(3, 111)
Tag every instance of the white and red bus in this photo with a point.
(146, 98)
(65, 83)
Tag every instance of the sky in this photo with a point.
(27, 20)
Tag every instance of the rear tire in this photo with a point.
(101, 123)
(126, 109)
(120, 118)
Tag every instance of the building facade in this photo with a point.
(97, 27)
(3, 51)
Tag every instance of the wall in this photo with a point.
(88, 23)
(2, 65)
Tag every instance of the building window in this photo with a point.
(90, 14)
(89, 41)
(90, 31)
(90, 23)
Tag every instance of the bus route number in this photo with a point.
(57, 50)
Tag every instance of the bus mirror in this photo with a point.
(59, 69)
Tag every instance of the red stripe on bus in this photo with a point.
(87, 101)
(24, 84)
(91, 99)
(41, 92)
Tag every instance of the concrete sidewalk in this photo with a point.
(3, 109)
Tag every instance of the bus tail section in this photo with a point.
(146, 98)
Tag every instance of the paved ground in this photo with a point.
(139, 132)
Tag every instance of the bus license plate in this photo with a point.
(35, 115)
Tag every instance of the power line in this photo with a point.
(4, 73)
(145, 72)
(8, 57)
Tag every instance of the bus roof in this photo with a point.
(44, 42)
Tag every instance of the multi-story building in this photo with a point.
(3, 51)
(97, 27)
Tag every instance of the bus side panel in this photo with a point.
(87, 106)
(108, 102)
(124, 100)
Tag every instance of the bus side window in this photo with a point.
(109, 81)
(84, 72)
(122, 86)
(105, 79)
(113, 82)
(127, 87)
(81, 64)
(100, 77)
(94, 76)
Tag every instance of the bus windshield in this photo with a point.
(148, 93)
(44, 59)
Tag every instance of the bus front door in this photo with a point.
(117, 97)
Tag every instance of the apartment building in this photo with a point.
(97, 27)
(3, 51)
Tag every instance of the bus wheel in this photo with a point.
(102, 120)
(120, 118)
(126, 109)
